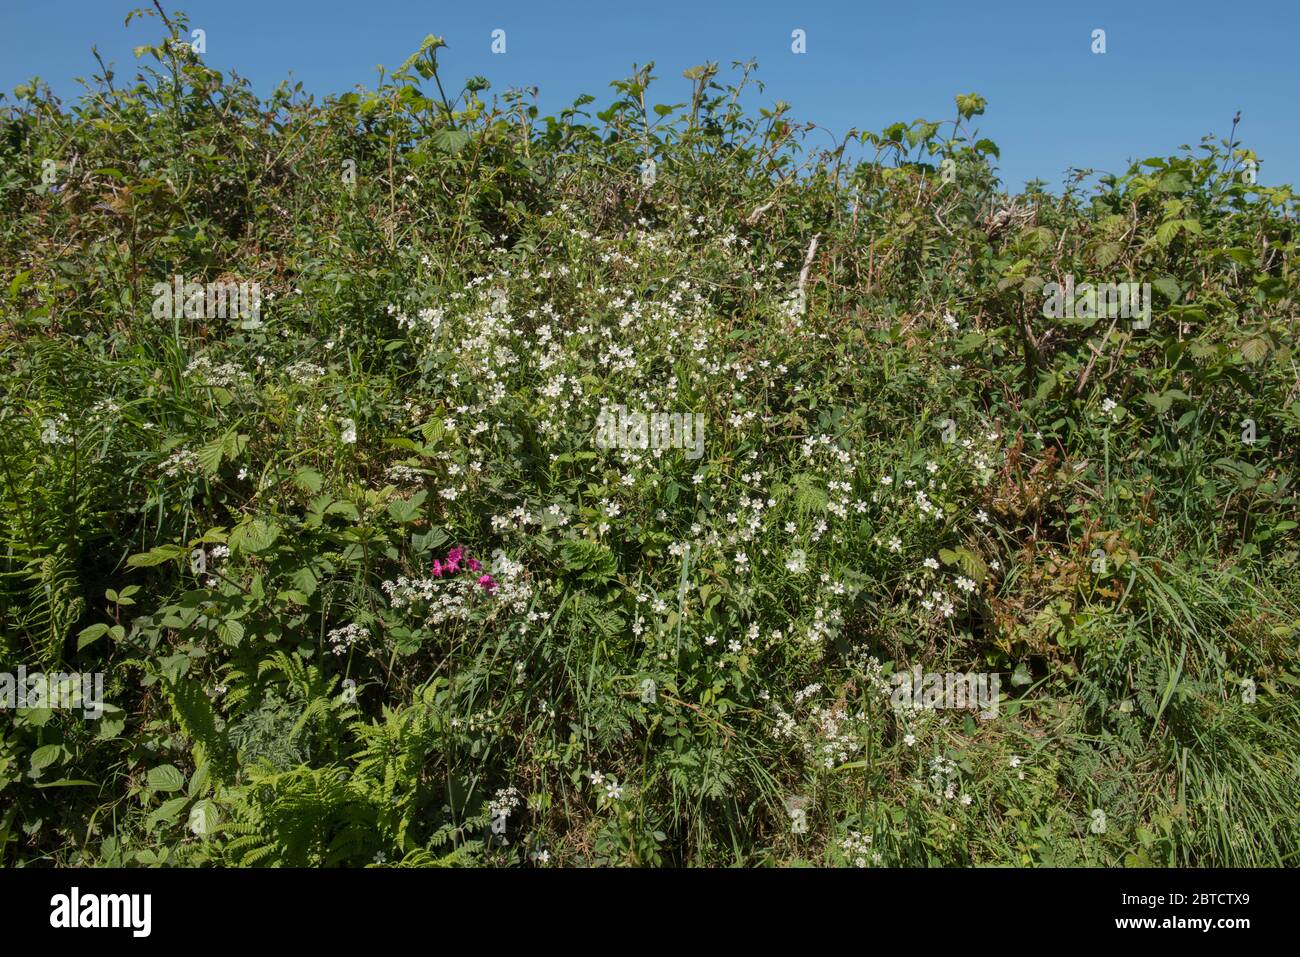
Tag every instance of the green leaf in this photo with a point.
(1253, 350)
(254, 535)
(90, 635)
(309, 480)
(970, 104)
(405, 510)
(230, 631)
(209, 455)
(157, 555)
(46, 755)
(165, 777)
(167, 812)
(1168, 287)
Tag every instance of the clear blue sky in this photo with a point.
(1173, 70)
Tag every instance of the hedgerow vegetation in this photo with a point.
(361, 581)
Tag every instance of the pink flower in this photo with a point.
(453, 559)
(437, 568)
(487, 582)
(474, 564)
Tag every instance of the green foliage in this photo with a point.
(366, 589)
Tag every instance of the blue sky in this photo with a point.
(1173, 71)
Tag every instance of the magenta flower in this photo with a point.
(437, 568)
(487, 582)
(453, 559)
(474, 564)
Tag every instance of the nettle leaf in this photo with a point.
(1253, 350)
(167, 813)
(1164, 400)
(308, 479)
(427, 541)
(157, 556)
(209, 455)
(1107, 253)
(1168, 287)
(46, 755)
(449, 140)
(592, 560)
(970, 104)
(404, 510)
(972, 564)
(165, 777)
(91, 635)
(305, 580)
(254, 536)
(230, 631)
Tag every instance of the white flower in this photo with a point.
(895, 545)
(349, 436)
(965, 584)
(1108, 406)
(909, 740)
(797, 563)
(1014, 761)
(931, 564)
(613, 791)
(982, 516)
(597, 779)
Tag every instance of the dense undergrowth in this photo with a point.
(361, 581)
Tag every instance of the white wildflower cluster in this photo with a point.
(404, 475)
(944, 776)
(427, 321)
(213, 559)
(226, 375)
(828, 736)
(872, 672)
(505, 801)
(609, 788)
(857, 848)
(180, 461)
(825, 625)
(514, 588)
(303, 372)
(836, 740)
(939, 603)
(458, 596)
(475, 723)
(342, 640)
(825, 445)
(518, 518)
